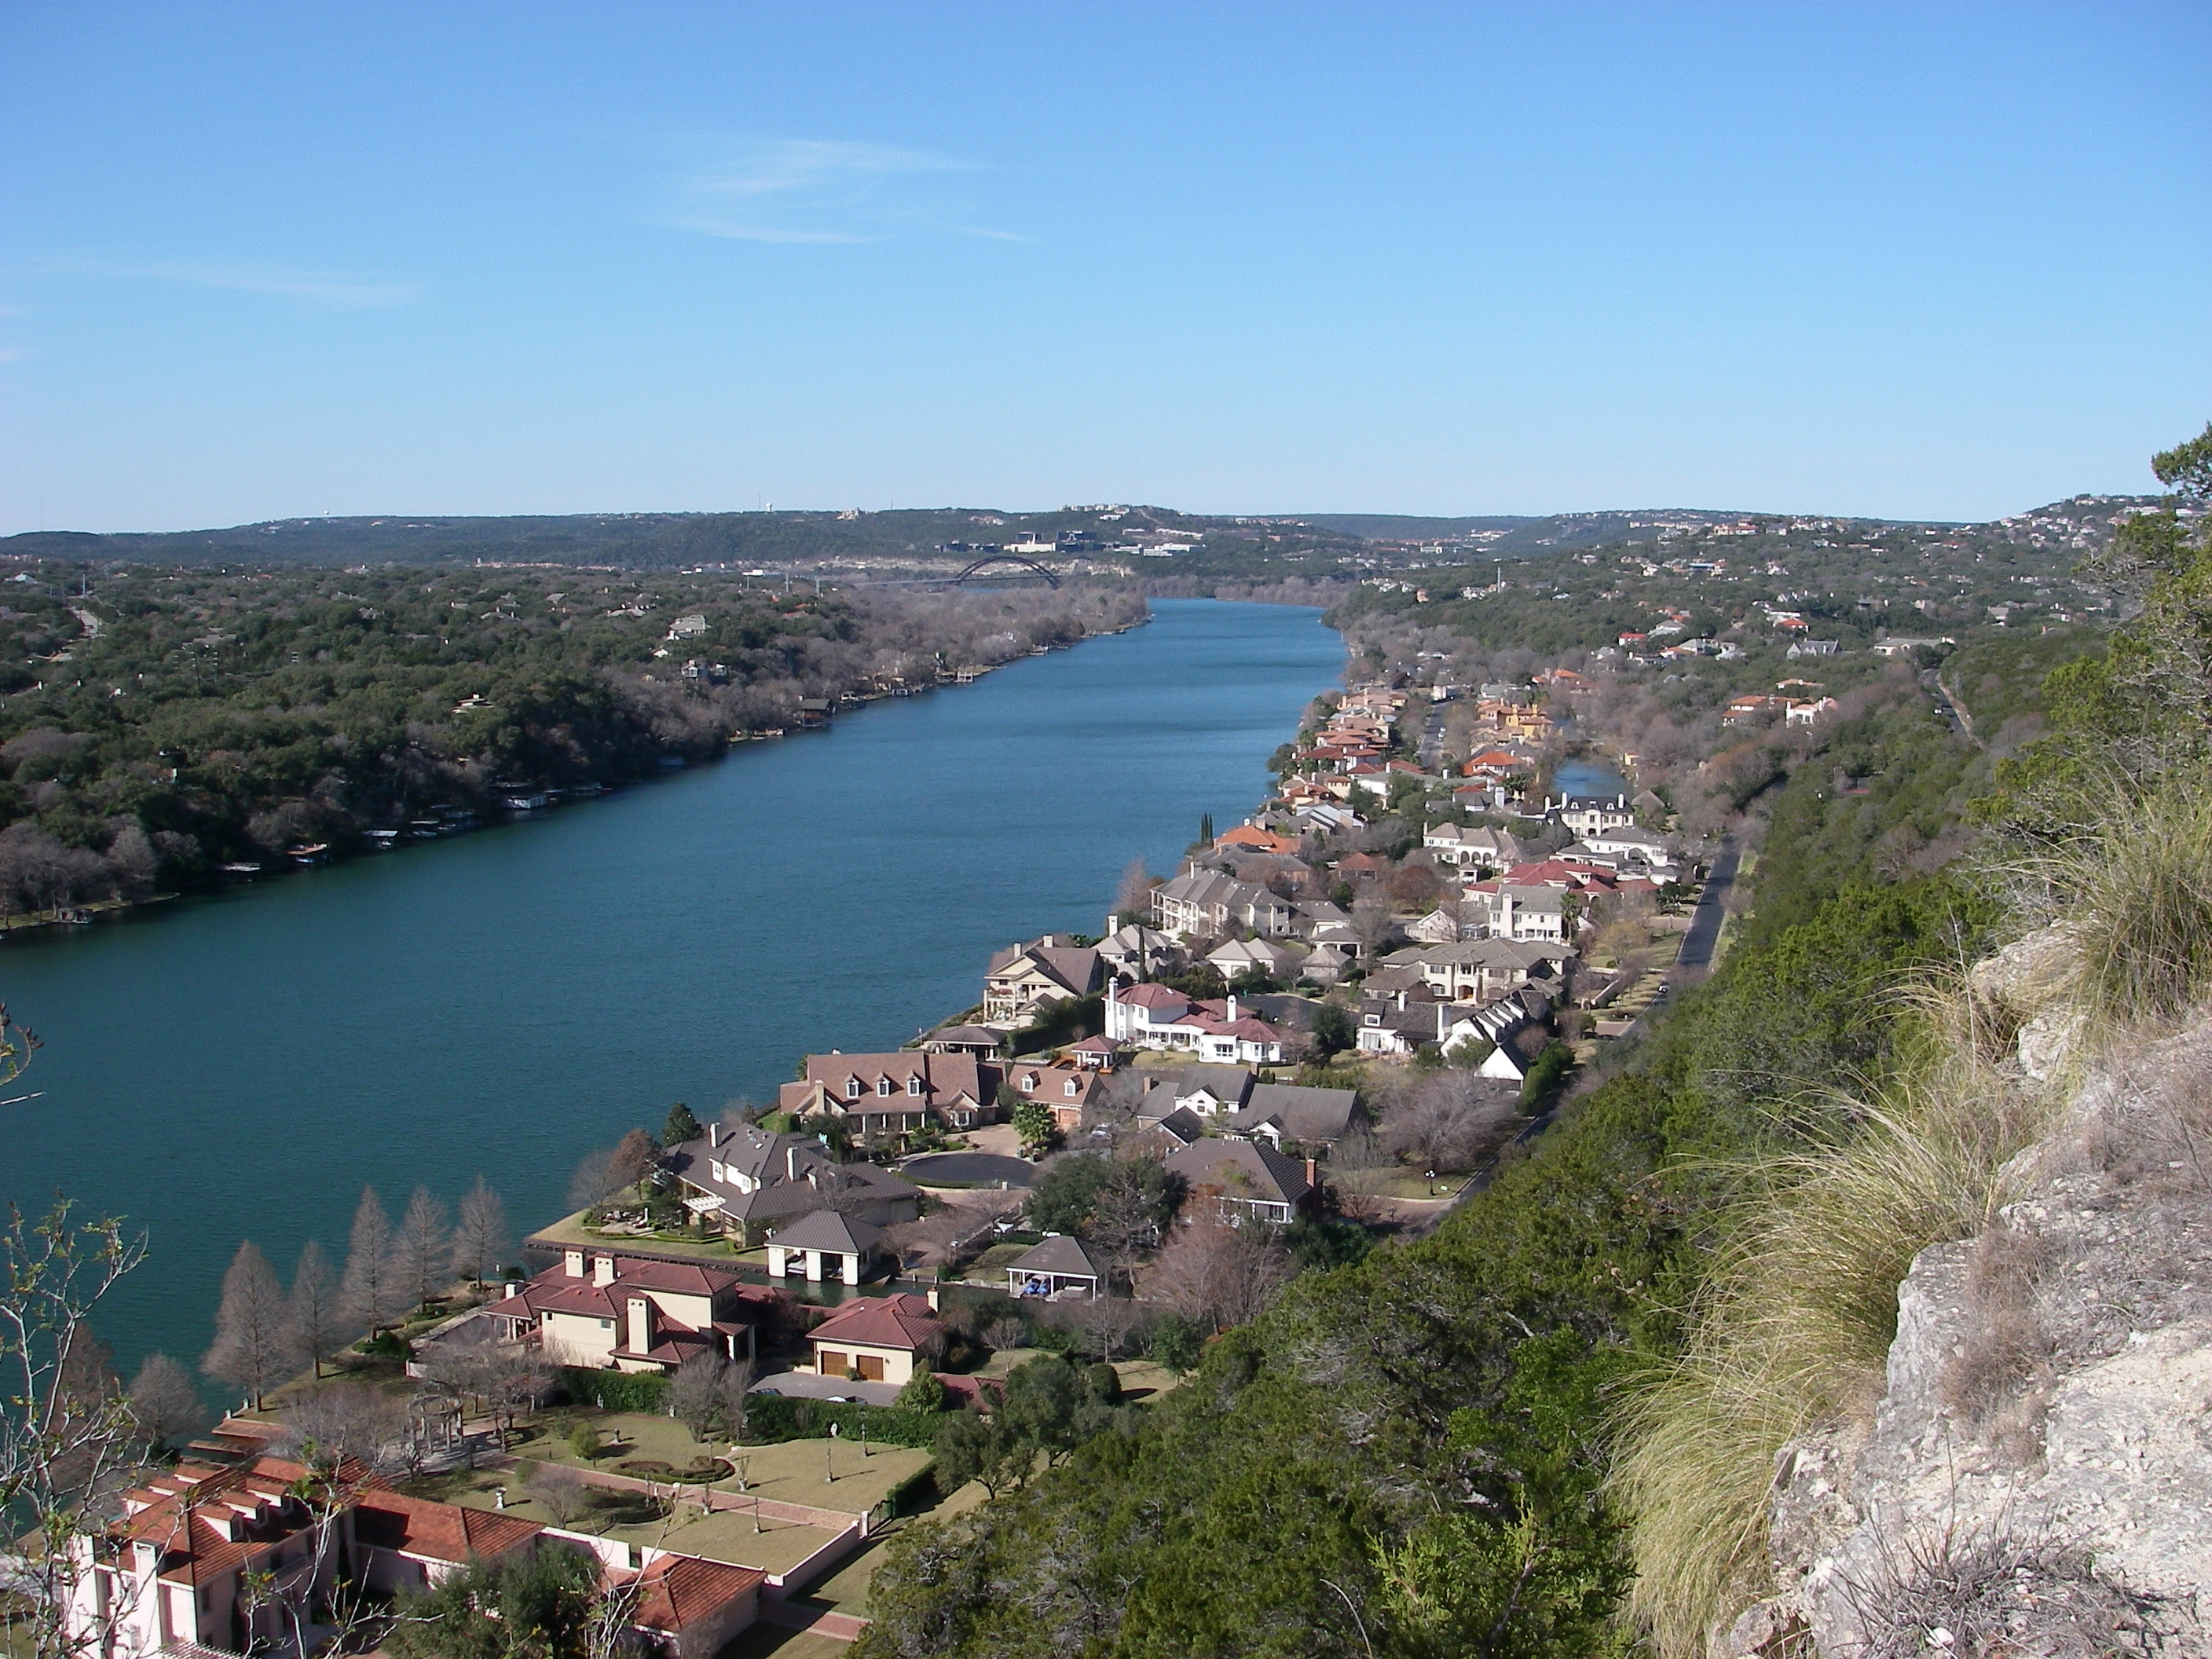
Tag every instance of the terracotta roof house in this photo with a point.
(882, 1338)
(744, 1181)
(1022, 979)
(601, 1309)
(1233, 1179)
(821, 1240)
(887, 1096)
(170, 1575)
(1059, 1269)
(1258, 840)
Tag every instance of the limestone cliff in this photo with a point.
(2037, 1476)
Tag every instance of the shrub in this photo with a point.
(774, 1417)
(584, 1440)
(922, 1392)
(618, 1391)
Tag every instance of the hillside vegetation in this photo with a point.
(171, 720)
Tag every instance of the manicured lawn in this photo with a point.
(766, 1641)
(1142, 1380)
(791, 1471)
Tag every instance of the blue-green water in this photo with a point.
(237, 1067)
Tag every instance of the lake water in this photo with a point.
(239, 1065)
(1588, 779)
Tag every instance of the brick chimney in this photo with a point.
(1313, 1172)
(603, 1270)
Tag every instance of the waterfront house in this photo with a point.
(599, 1309)
(1138, 952)
(878, 1338)
(980, 1041)
(1207, 904)
(886, 1097)
(1586, 816)
(1022, 979)
(743, 1180)
(1482, 971)
(1240, 957)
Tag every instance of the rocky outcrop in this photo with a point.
(2037, 1477)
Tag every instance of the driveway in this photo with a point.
(806, 1385)
(967, 1170)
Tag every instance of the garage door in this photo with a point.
(833, 1364)
(872, 1367)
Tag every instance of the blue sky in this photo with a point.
(1913, 260)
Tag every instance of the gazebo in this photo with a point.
(1058, 1267)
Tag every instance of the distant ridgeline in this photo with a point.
(1149, 542)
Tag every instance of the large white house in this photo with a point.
(1155, 1017)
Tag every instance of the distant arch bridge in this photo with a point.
(990, 559)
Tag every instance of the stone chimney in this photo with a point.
(639, 1325)
(603, 1270)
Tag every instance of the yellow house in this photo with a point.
(611, 1312)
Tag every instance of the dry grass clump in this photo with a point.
(2132, 900)
(1990, 1595)
(2004, 1349)
(1798, 1315)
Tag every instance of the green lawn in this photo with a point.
(791, 1470)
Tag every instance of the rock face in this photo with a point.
(2037, 1478)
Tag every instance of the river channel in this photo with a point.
(237, 1067)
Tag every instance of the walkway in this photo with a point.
(1704, 933)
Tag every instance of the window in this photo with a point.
(883, 1085)
(913, 1085)
(851, 1088)
(1068, 1088)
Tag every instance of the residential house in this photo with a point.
(980, 1041)
(1024, 979)
(1093, 1054)
(1140, 952)
(1213, 1091)
(1068, 1087)
(1059, 1269)
(1515, 1027)
(1813, 648)
(1485, 969)
(1236, 1180)
(1512, 910)
(1155, 1017)
(601, 1311)
(743, 1180)
(1240, 957)
(1276, 1112)
(1207, 904)
(878, 1338)
(1249, 836)
(1478, 848)
(1586, 816)
(887, 1096)
(1161, 1133)
(1440, 926)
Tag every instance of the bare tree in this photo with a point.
(251, 1340)
(595, 1179)
(313, 1311)
(516, 1379)
(559, 1489)
(425, 1247)
(1217, 1275)
(1451, 1121)
(1372, 922)
(345, 1419)
(165, 1403)
(1134, 895)
(57, 1444)
(481, 1238)
(694, 1393)
(371, 1290)
(635, 1156)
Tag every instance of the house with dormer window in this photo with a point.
(882, 1097)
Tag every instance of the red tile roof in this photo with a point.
(905, 1321)
(436, 1532)
(677, 1591)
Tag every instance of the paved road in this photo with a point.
(968, 1170)
(1704, 929)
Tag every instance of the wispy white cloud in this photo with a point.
(338, 290)
(13, 354)
(817, 191)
